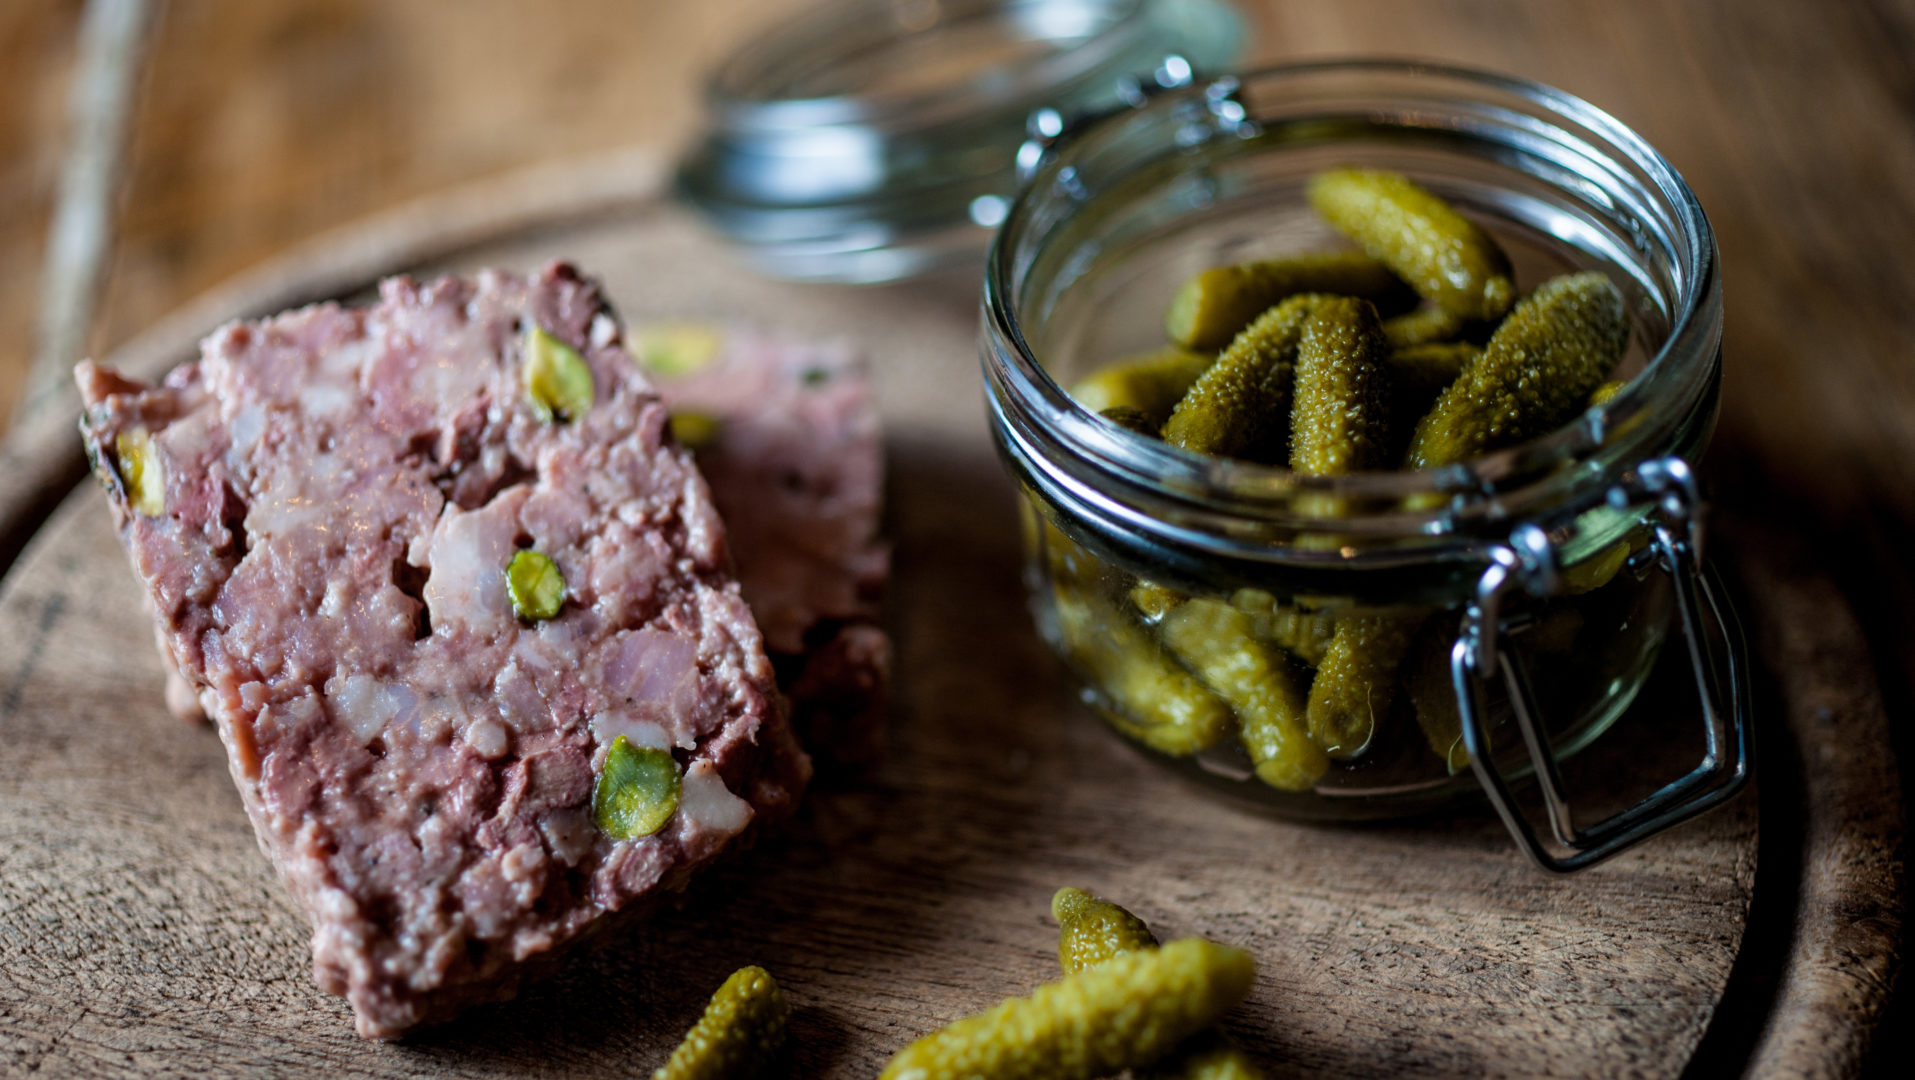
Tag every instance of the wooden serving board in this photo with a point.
(141, 933)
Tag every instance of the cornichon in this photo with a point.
(535, 584)
(1606, 393)
(1305, 635)
(1433, 696)
(1442, 254)
(1213, 639)
(1124, 1013)
(1214, 306)
(1537, 371)
(1356, 682)
(141, 471)
(1240, 406)
(1135, 419)
(1091, 931)
(636, 792)
(558, 381)
(740, 1035)
(1425, 326)
(1338, 424)
(1167, 709)
(1151, 384)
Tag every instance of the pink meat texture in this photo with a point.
(343, 489)
(796, 466)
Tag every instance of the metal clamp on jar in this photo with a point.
(1508, 608)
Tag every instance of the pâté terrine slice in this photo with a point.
(461, 611)
(787, 433)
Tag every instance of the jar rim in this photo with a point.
(1506, 485)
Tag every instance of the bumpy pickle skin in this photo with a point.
(1152, 383)
(1213, 639)
(1433, 696)
(1125, 1013)
(1091, 931)
(1240, 406)
(1305, 635)
(1339, 422)
(1424, 326)
(1443, 255)
(1536, 373)
(1356, 682)
(1211, 308)
(1165, 708)
(739, 1037)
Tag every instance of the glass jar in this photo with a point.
(1494, 616)
(871, 140)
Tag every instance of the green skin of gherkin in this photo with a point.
(1338, 424)
(1424, 327)
(1240, 406)
(1091, 931)
(1213, 307)
(1151, 384)
(1356, 682)
(1214, 640)
(1442, 254)
(1163, 706)
(740, 1035)
(1537, 372)
(1125, 1013)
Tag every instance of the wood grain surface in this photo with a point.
(143, 934)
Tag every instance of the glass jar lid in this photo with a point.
(871, 140)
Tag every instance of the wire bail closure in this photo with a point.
(1667, 488)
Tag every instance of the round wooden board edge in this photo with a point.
(1843, 915)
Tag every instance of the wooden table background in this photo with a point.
(261, 124)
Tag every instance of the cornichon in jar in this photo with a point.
(1240, 406)
(1303, 634)
(141, 472)
(1150, 384)
(1356, 682)
(1166, 708)
(1124, 1013)
(636, 792)
(1425, 326)
(1606, 393)
(740, 1035)
(1135, 419)
(1211, 308)
(1442, 254)
(558, 381)
(1213, 639)
(1433, 695)
(1091, 931)
(1537, 372)
(535, 585)
(1338, 424)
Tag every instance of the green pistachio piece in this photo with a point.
(537, 587)
(637, 791)
(142, 472)
(675, 349)
(695, 430)
(558, 382)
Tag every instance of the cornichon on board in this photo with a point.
(1091, 931)
(1125, 1013)
(1339, 422)
(1537, 371)
(1214, 306)
(740, 1035)
(1213, 639)
(1168, 710)
(1442, 254)
(1240, 406)
(1151, 383)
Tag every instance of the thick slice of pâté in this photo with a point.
(787, 433)
(323, 509)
